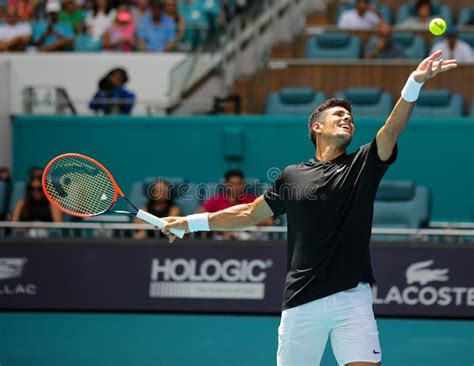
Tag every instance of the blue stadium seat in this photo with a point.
(406, 11)
(333, 46)
(414, 46)
(87, 43)
(401, 204)
(465, 15)
(468, 38)
(368, 102)
(196, 24)
(438, 103)
(294, 101)
(188, 200)
(383, 9)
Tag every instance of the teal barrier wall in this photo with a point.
(435, 153)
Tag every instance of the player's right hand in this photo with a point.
(174, 222)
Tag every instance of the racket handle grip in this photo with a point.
(156, 221)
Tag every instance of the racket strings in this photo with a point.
(80, 186)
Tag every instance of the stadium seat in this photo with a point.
(414, 46)
(86, 43)
(197, 25)
(465, 15)
(188, 200)
(333, 46)
(438, 103)
(293, 101)
(368, 102)
(401, 204)
(383, 9)
(406, 11)
(468, 38)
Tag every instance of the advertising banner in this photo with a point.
(217, 277)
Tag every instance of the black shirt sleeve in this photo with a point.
(274, 196)
(380, 167)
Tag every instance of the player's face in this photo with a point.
(338, 125)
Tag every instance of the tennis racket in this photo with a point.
(80, 186)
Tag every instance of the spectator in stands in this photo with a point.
(121, 34)
(6, 179)
(453, 47)
(362, 17)
(141, 8)
(112, 97)
(171, 9)
(100, 18)
(35, 173)
(35, 207)
(422, 18)
(234, 194)
(160, 203)
(384, 46)
(14, 35)
(39, 11)
(156, 31)
(5, 175)
(53, 35)
(24, 8)
(70, 14)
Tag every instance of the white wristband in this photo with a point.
(198, 222)
(411, 90)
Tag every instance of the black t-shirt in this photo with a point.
(329, 208)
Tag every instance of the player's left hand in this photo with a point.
(430, 67)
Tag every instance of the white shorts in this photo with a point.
(346, 316)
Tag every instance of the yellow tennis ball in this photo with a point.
(437, 26)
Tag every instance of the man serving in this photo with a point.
(329, 206)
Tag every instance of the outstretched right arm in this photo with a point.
(232, 218)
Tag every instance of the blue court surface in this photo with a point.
(73, 339)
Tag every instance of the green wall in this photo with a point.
(435, 153)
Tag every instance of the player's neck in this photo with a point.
(327, 152)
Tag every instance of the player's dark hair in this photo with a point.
(319, 113)
(233, 173)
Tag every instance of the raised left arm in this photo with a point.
(394, 125)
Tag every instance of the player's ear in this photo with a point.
(318, 127)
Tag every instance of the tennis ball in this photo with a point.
(437, 26)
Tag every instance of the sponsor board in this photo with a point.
(221, 277)
(11, 270)
(209, 279)
(429, 282)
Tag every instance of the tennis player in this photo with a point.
(329, 205)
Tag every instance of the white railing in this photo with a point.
(98, 229)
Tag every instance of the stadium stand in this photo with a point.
(334, 46)
(439, 103)
(414, 46)
(406, 11)
(401, 204)
(466, 16)
(383, 9)
(368, 102)
(293, 101)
